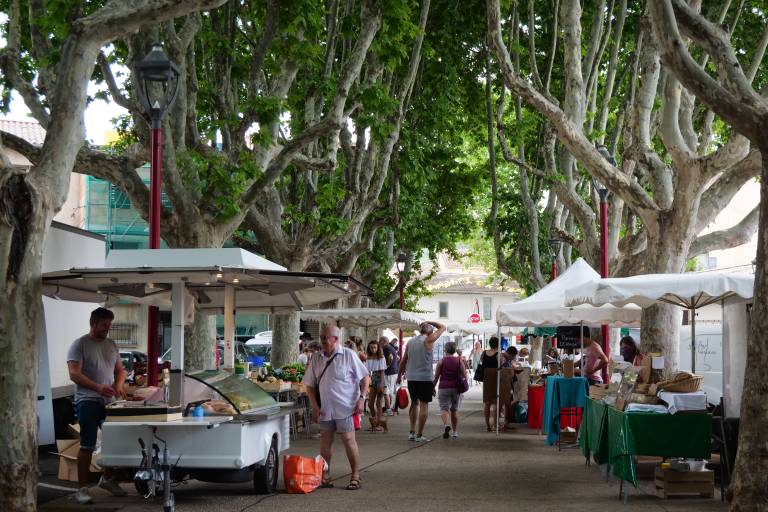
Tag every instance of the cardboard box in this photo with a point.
(67, 450)
(568, 370)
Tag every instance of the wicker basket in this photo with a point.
(638, 398)
(688, 385)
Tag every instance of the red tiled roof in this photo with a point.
(30, 131)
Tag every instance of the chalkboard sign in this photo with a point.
(569, 336)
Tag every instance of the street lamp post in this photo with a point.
(400, 262)
(157, 85)
(603, 193)
(554, 251)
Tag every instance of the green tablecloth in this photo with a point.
(616, 437)
(594, 431)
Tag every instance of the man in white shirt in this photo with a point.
(341, 379)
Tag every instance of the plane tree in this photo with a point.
(670, 165)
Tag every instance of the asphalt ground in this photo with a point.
(476, 471)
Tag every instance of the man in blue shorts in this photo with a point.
(97, 371)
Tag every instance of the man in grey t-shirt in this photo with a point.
(417, 367)
(97, 371)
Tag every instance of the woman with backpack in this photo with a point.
(451, 373)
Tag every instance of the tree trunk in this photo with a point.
(200, 343)
(285, 339)
(22, 237)
(749, 479)
(661, 332)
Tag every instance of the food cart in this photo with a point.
(243, 443)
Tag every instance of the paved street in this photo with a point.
(477, 471)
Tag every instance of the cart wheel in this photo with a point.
(265, 477)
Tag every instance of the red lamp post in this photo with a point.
(400, 262)
(157, 85)
(603, 193)
(554, 251)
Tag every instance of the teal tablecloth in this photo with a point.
(561, 393)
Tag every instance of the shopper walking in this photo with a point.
(336, 382)
(96, 369)
(449, 371)
(376, 363)
(417, 368)
(491, 360)
(390, 374)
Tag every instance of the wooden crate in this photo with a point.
(668, 483)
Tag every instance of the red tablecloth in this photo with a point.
(568, 417)
(535, 406)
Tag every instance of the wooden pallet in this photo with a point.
(668, 483)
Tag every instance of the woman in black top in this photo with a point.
(490, 361)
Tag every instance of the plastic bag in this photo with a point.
(302, 475)
(402, 398)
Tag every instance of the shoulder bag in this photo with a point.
(317, 387)
(462, 385)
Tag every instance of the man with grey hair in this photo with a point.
(336, 383)
(417, 367)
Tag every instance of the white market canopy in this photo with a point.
(547, 307)
(691, 290)
(484, 327)
(364, 317)
(147, 277)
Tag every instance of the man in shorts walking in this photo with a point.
(340, 379)
(417, 368)
(97, 371)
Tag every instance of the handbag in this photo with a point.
(479, 372)
(317, 386)
(462, 385)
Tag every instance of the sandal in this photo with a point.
(326, 482)
(354, 484)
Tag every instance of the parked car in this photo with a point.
(262, 338)
(134, 362)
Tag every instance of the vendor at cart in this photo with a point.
(96, 369)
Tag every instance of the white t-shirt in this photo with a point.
(303, 358)
(375, 365)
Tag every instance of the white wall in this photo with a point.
(64, 320)
(461, 305)
(743, 202)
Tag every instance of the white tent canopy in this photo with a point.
(364, 317)
(547, 307)
(485, 327)
(690, 290)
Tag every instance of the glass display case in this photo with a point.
(245, 396)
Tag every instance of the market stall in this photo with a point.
(239, 437)
(547, 308)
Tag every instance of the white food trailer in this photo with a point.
(220, 448)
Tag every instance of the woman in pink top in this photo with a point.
(593, 360)
(447, 373)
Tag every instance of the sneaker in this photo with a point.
(455, 434)
(83, 497)
(421, 439)
(111, 486)
(389, 412)
(447, 432)
(412, 436)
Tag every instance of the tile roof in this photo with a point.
(30, 131)
(471, 283)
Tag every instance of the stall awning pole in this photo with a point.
(693, 337)
(177, 326)
(229, 326)
(498, 381)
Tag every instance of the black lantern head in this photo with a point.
(157, 83)
(400, 262)
(554, 247)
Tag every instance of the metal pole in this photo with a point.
(606, 345)
(498, 381)
(402, 305)
(155, 186)
(693, 340)
(553, 273)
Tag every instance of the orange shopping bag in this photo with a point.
(302, 475)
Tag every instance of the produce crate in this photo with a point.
(668, 482)
(298, 387)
